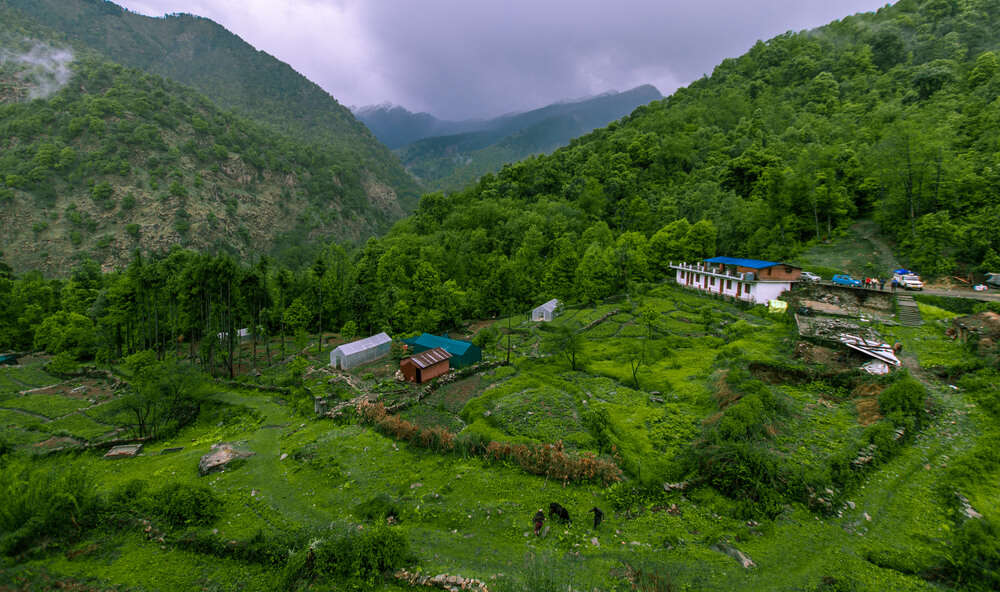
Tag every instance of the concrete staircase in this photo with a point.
(908, 313)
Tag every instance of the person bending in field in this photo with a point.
(598, 516)
(539, 521)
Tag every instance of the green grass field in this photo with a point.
(464, 515)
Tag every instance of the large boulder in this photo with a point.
(222, 455)
(124, 451)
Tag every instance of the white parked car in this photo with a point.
(980, 287)
(808, 276)
(910, 281)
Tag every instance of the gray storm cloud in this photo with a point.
(43, 69)
(458, 59)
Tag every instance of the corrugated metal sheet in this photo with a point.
(430, 357)
(876, 349)
(363, 344)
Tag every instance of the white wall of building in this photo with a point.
(757, 292)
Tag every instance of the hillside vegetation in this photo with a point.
(202, 54)
(99, 159)
(725, 451)
(889, 115)
(119, 159)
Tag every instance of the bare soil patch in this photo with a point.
(82, 388)
(58, 442)
(866, 403)
(457, 394)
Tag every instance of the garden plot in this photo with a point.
(57, 415)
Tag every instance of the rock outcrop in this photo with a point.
(222, 455)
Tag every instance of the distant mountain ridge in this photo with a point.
(447, 155)
(395, 126)
(200, 53)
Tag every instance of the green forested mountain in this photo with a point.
(888, 115)
(728, 452)
(891, 115)
(98, 159)
(120, 159)
(449, 155)
(200, 53)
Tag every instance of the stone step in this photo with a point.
(907, 311)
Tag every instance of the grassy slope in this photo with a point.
(463, 516)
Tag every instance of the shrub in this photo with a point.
(128, 495)
(63, 364)
(486, 337)
(975, 555)
(377, 508)
(745, 472)
(57, 503)
(598, 423)
(906, 396)
(265, 549)
(471, 444)
(181, 504)
(359, 557)
(538, 459)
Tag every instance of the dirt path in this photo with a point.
(893, 503)
(869, 231)
(862, 252)
(266, 472)
(44, 418)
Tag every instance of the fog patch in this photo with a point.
(41, 70)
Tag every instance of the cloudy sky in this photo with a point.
(474, 58)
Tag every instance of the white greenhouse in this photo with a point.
(546, 311)
(356, 353)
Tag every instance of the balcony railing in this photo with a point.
(719, 271)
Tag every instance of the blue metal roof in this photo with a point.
(452, 346)
(751, 263)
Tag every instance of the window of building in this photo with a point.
(729, 284)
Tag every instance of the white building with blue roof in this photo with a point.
(750, 280)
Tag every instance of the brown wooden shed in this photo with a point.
(426, 365)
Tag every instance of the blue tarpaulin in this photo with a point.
(904, 272)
